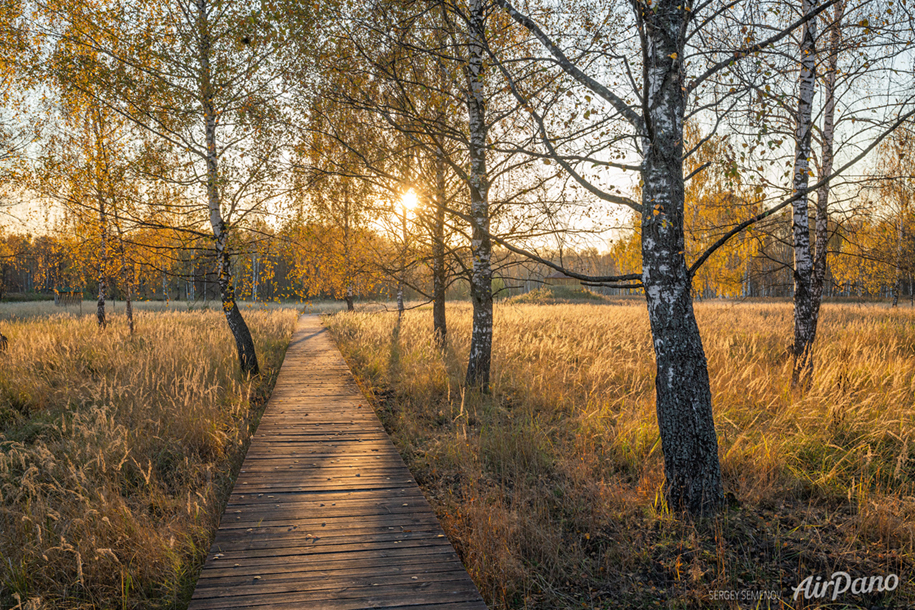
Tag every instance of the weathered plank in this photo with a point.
(324, 514)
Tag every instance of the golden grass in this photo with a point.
(550, 486)
(116, 452)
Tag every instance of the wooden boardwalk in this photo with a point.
(325, 515)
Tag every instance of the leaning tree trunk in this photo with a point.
(439, 325)
(480, 357)
(243, 341)
(684, 399)
(804, 327)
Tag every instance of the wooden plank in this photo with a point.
(324, 580)
(317, 499)
(366, 559)
(238, 576)
(329, 583)
(319, 539)
(284, 550)
(324, 514)
(361, 517)
(391, 596)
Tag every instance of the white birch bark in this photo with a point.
(478, 364)
(102, 265)
(254, 276)
(821, 229)
(684, 400)
(804, 327)
(897, 279)
(439, 324)
(403, 267)
(100, 188)
(243, 340)
(347, 256)
(440, 199)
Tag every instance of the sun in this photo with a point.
(409, 200)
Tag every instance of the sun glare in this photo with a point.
(409, 200)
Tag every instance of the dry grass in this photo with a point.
(117, 452)
(550, 485)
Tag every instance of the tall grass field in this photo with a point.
(117, 452)
(550, 485)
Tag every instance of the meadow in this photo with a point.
(550, 486)
(117, 452)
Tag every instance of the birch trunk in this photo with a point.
(347, 257)
(804, 325)
(821, 229)
(403, 267)
(242, 335)
(439, 322)
(100, 186)
(900, 235)
(439, 325)
(349, 299)
(128, 289)
(478, 364)
(102, 265)
(125, 276)
(684, 399)
(254, 278)
(129, 305)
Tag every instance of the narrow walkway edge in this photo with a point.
(324, 514)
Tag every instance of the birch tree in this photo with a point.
(430, 85)
(827, 154)
(84, 166)
(201, 78)
(804, 330)
(896, 189)
(634, 58)
(480, 357)
(855, 50)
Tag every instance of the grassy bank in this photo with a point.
(116, 452)
(550, 486)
